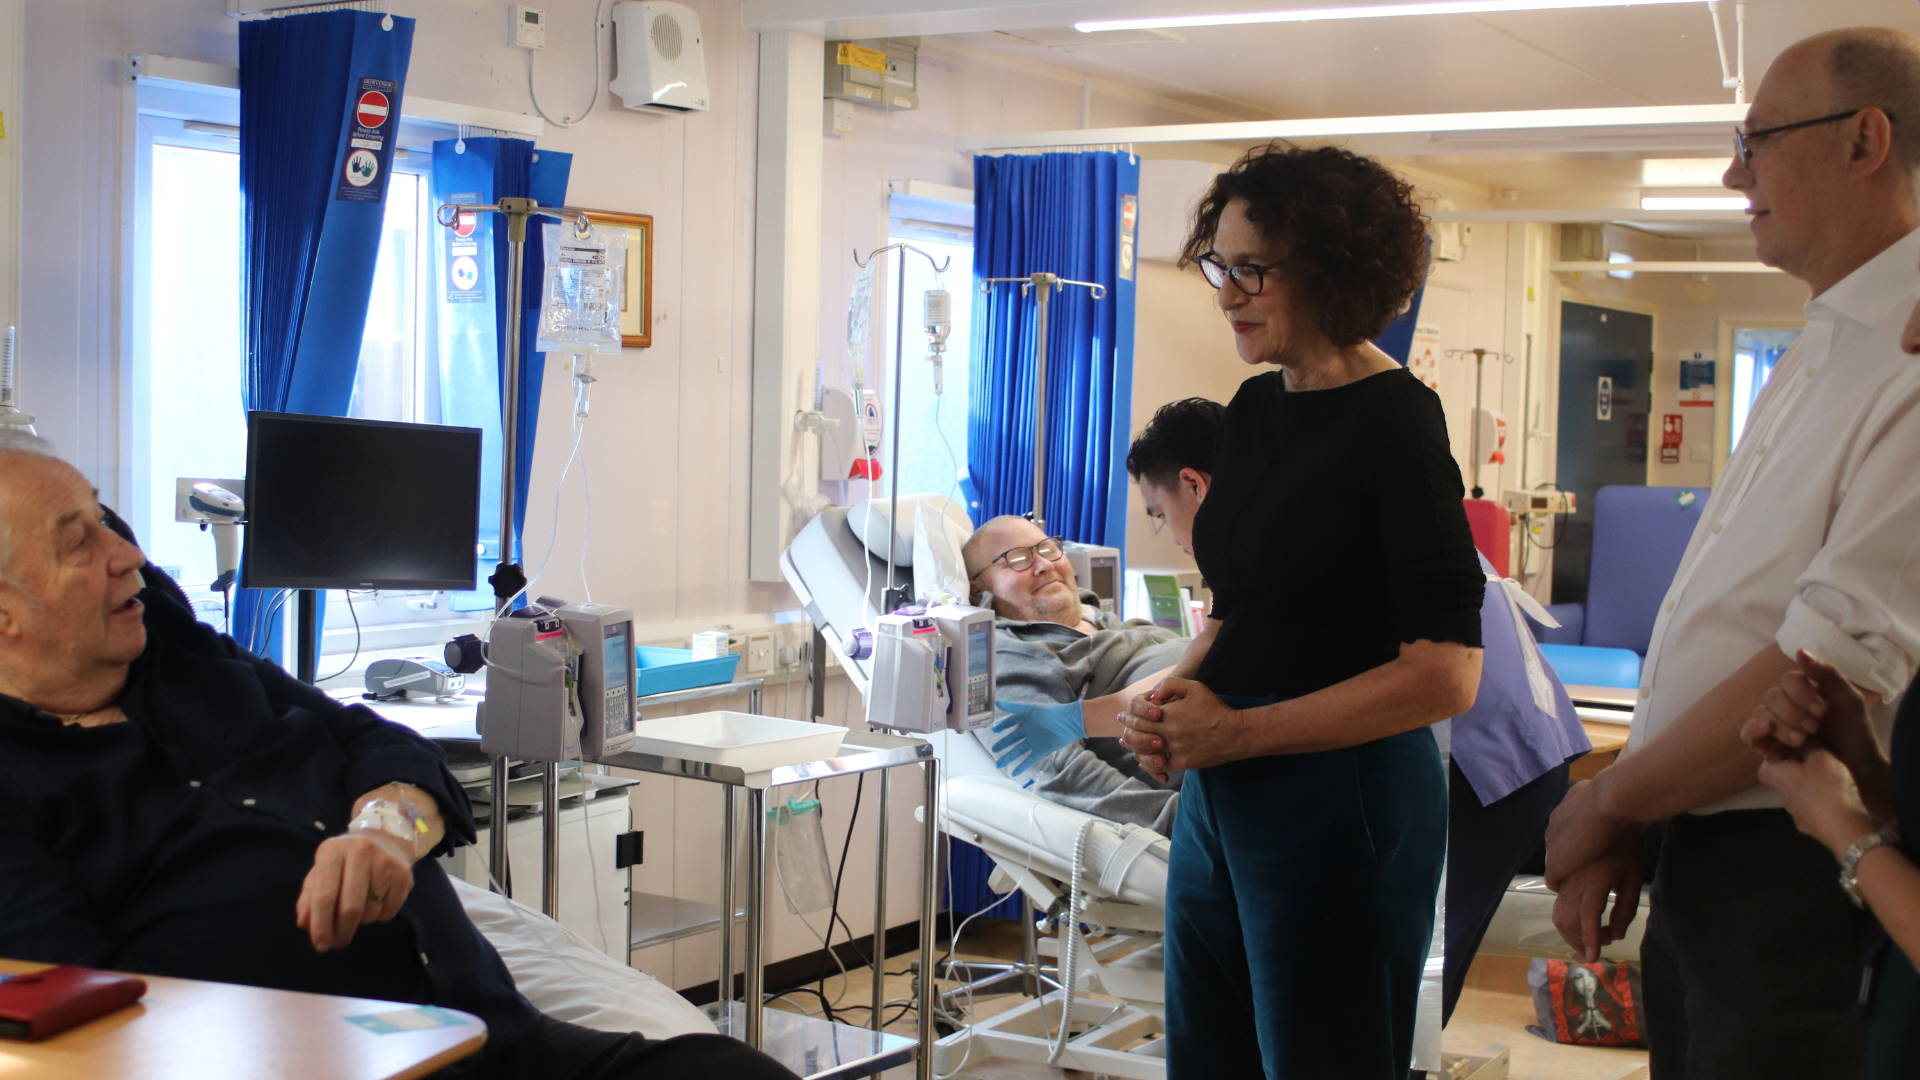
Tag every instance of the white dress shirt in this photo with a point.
(1811, 539)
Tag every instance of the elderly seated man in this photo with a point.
(171, 804)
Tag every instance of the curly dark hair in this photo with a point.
(1353, 240)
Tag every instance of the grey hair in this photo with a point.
(1875, 66)
(15, 440)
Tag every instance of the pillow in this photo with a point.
(869, 521)
(570, 980)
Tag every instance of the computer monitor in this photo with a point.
(337, 503)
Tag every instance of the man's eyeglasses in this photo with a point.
(1743, 141)
(1020, 558)
(1249, 278)
(1156, 521)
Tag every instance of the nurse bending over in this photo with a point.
(1346, 620)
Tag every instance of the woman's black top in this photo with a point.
(1332, 533)
(1893, 1049)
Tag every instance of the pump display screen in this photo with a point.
(617, 657)
(979, 674)
(1102, 583)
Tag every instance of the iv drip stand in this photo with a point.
(508, 579)
(895, 595)
(1043, 284)
(1479, 378)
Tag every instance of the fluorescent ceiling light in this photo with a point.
(1683, 172)
(1620, 257)
(1368, 11)
(1691, 202)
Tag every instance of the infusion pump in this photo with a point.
(933, 669)
(1097, 568)
(560, 683)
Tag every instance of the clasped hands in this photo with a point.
(1821, 754)
(1180, 724)
(1818, 751)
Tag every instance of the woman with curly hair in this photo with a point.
(1345, 622)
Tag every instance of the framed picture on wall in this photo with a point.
(636, 308)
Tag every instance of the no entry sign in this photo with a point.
(371, 110)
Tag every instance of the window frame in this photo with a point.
(168, 113)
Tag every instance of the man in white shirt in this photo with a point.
(1811, 540)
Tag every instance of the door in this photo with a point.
(1606, 378)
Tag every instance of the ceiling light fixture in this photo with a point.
(1368, 11)
(1693, 202)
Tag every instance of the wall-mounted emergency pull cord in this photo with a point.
(597, 62)
(897, 595)
(1479, 378)
(1041, 285)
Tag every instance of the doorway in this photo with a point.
(1606, 379)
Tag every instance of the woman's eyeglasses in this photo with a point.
(1249, 278)
(1020, 558)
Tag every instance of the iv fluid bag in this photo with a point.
(583, 292)
(860, 318)
(939, 316)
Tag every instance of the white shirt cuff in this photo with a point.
(1871, 662)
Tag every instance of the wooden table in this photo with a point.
(193, 1030)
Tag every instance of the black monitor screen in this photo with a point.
(334, 503)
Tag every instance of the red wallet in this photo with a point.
(40, 1003)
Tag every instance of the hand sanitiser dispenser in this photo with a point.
(559, 683)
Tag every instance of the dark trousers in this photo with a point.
(1486, 846)
(554, 1050)
(1752, 957)
(1300, 912)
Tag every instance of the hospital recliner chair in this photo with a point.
(1639, 536)
(1036, 847)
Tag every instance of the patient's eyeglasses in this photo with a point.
(1249, 278)
(1156, 521)
(1020, 558)
(1743, 141)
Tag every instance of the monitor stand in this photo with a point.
(307, 663)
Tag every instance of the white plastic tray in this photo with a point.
(738, 740)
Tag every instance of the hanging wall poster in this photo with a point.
(636, 308)
(1424, 358)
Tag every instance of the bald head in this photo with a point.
(1873, 66)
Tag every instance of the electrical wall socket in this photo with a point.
(759, 655)
(529, 27)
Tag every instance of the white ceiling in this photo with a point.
(1587, 58)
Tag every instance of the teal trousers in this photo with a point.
(1300, 898)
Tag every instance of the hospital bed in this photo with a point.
(1037, 846)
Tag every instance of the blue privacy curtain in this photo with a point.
(319, 106)
(1074, 215)
(471, 263)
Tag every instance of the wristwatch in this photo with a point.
(1850, 864)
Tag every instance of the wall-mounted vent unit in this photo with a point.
(662, 64)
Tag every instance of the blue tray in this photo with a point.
(663, 671)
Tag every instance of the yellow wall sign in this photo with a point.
(860, 56)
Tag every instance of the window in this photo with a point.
(934, 454)
(190, 420)
(1755, 352)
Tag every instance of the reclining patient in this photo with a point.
(1061, 658)
(172, 804)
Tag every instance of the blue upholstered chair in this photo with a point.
(1639, 535)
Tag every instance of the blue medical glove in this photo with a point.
(1032, 731)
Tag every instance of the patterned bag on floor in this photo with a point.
(1588, 1004)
